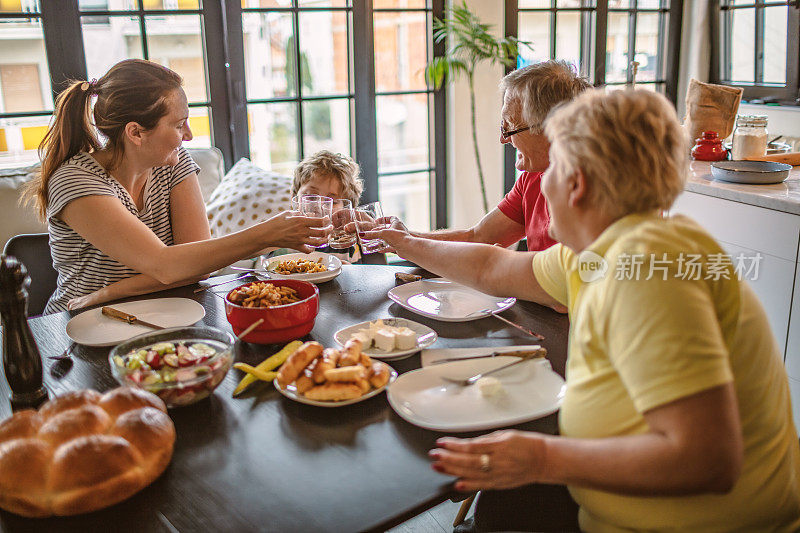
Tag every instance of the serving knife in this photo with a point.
(116, 314)
(523, 354)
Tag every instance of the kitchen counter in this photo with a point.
(783, 197)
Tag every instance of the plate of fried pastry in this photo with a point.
(316, 267)
(329, 377)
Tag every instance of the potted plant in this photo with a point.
(469, 43)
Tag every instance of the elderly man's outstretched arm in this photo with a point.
(489, 269)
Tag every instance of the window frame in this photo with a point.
(222, 36)
(720, 14)
(594, 27)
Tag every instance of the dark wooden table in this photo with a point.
(262, 462)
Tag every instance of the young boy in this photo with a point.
(335, 176)
(327, 174)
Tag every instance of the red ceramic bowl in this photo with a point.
(281, 323)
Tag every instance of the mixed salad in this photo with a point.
(179, 372)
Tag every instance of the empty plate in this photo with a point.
(92, 328)
(530, 390)
(447, 301)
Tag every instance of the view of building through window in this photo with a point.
(25, 97)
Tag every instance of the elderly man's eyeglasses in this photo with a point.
(506, 134)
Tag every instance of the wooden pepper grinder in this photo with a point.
(22, 363)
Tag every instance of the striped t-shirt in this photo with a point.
(82, 268)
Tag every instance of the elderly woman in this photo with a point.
(676, 415)
(529, 94)
(124, 209)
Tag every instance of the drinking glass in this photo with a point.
(317, 206)
(366, 220)
(343, 214)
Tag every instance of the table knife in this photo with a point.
(525, 354)
(116, 314)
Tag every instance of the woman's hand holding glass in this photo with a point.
(294, 230)
(319, 207)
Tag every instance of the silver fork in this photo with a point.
(471, 381)
(66, 354)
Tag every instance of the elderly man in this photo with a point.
(676, 415)
(528, 96)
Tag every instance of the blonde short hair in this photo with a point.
(629, 145)
(338, 166)
(541, 87)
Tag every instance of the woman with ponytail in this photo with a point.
(121, 198)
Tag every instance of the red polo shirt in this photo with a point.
(525, 205)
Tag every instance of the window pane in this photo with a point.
(533, 4)
(19, 6)
(647, 46)
(649, 4)
(535, 27)
(269, 54)
(407, 196)
(109, 40)
(19, 140)
(266, 3)
(617, 47)
(400, 51)
(156, 4)
(322, 3)
(568, 38)
(273, 136)
(619, 4)
(175, 41)
(743, 67)
(326, 126)
(388, 4)
(201, 128)
(324, 45)
(24, 75)
(402, 132)
(775, 44)
(568, 3)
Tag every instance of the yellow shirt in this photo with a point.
(637, 344)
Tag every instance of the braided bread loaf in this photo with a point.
(83, 451)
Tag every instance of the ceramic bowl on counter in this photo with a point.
(750, 172)
(179, 365)
(281, 323)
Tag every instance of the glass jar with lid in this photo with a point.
(750, 137)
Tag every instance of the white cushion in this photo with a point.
(245, 196)
(15, 219)
(211, 170)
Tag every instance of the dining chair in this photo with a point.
(33, 251)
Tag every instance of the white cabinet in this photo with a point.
(793, 342)
(742, 228)
(794, 389)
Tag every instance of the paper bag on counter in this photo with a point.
(711, 107)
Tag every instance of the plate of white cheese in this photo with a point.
(388, 338)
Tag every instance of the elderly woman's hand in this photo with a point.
(500, 460)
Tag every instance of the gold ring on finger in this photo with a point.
(486, 463)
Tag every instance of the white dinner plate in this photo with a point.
(530, 390)
(425, 337)
(333, 263)
(92, 328)
(290, 391)
(447, 301)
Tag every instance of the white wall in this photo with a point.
(464, 196)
